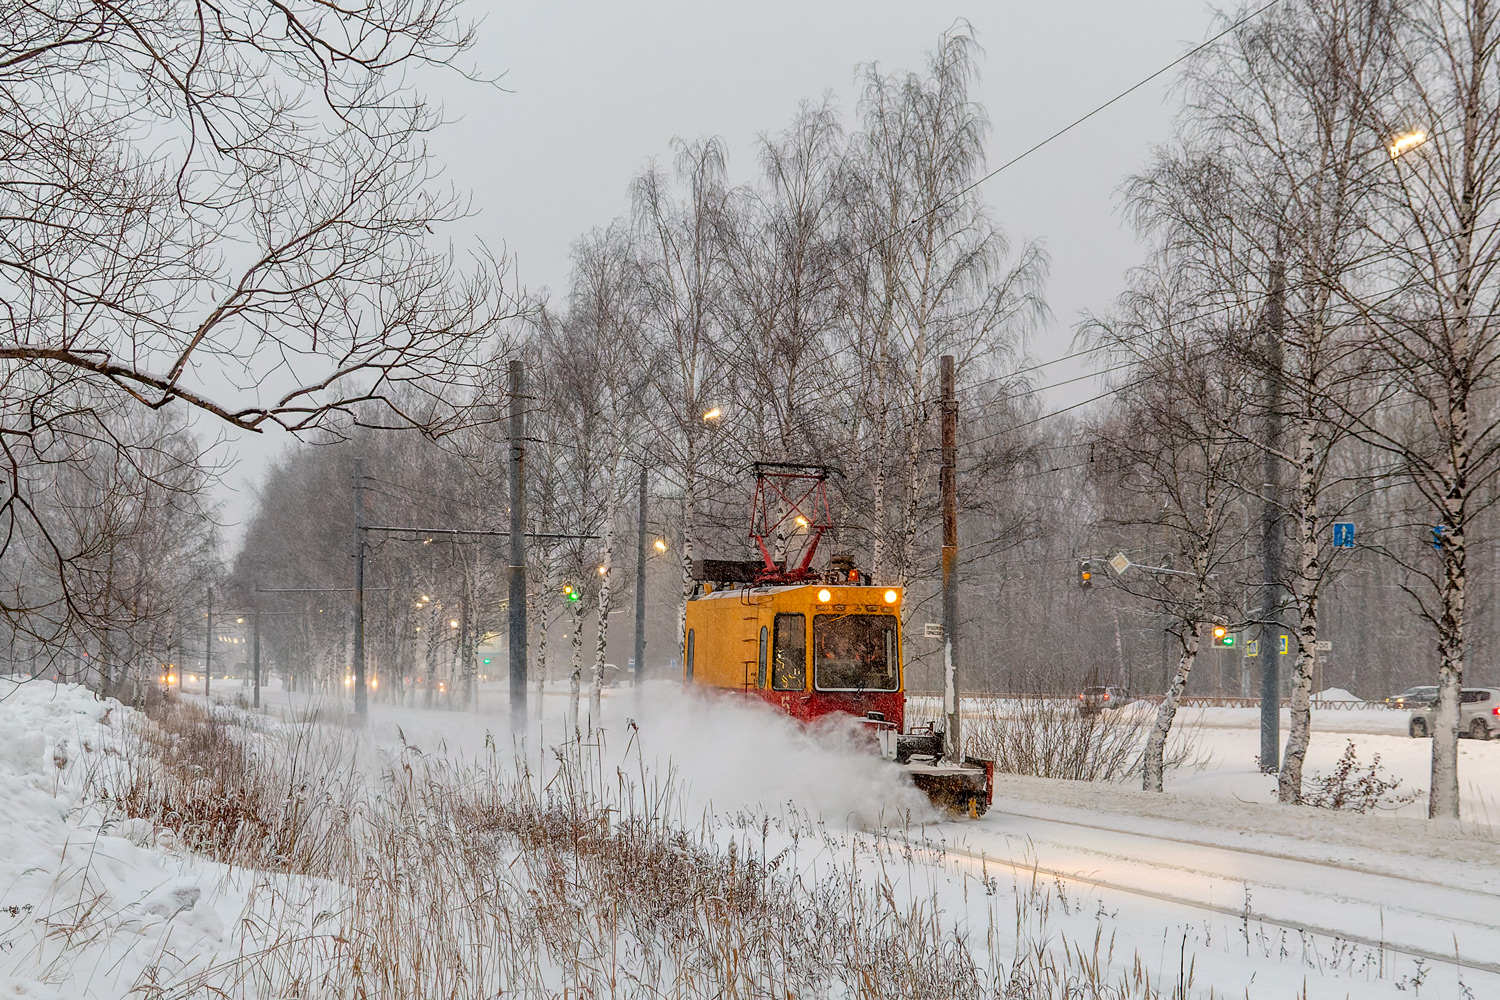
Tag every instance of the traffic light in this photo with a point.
(486, 661)
(570, 592)
(1223, 637)
(1085, 574)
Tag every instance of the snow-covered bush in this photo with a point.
(1052, 739)
(1354, 786)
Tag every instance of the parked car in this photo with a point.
(1093, 700)
(1422, 694)
(1478, 715)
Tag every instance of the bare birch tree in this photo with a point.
(1166, 447)
(683, 263)
(1439, 322)
(1273, 165)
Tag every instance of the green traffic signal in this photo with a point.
(486, 661)
(1229, 640)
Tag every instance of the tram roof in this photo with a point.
(782, 588)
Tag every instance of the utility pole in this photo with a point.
(640, 585)
(208, 643)
(361, 702)
(1270, 541)
(517, 550)
(948, 485)
(255, 653)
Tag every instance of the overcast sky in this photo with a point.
(594, 90)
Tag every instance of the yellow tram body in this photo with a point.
(809, 649)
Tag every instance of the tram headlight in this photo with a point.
(890, 597)
(824, 596)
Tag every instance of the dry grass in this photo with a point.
(1052, 739)
(438, 878)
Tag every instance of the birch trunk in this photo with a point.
(614, 498)
(575, 679)
(1153, 759)
(882, 440)
(1442, 802)
(689, 539)
(543, 604)
(1289, 779)
(1443, 799)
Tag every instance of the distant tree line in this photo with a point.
(1311, 339)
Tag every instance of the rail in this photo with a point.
(1188, 702)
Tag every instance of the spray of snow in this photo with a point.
(724, 753)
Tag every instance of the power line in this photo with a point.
(1058, 134)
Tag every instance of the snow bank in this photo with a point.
(1337, 694)
(84, 911)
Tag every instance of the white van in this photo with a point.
(1478, 715)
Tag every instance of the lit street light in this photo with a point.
(1406, 142)
(713, 414)
(661, 545)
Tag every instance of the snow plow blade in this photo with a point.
(965, 789)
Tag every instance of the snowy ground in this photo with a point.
(1211, 880)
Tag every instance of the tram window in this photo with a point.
(789, 653)
(760, 680)
(689, 658)
(854, 653)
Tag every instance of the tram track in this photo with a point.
(1246, 914)
(1372, 909)
(1245, 849)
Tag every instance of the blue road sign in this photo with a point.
(1343, 534)
(1438, 531)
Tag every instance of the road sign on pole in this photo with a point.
(932, 630)
(1120, 563)
(1252, 648)
(1343, 534)
(1284, 645)
(1323, 646)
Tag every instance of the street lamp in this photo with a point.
(1406, 142)
(713, 414)
(661, 545)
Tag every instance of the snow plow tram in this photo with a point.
(815, 642)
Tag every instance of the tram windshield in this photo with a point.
(855, 653)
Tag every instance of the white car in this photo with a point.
(1478, 715)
